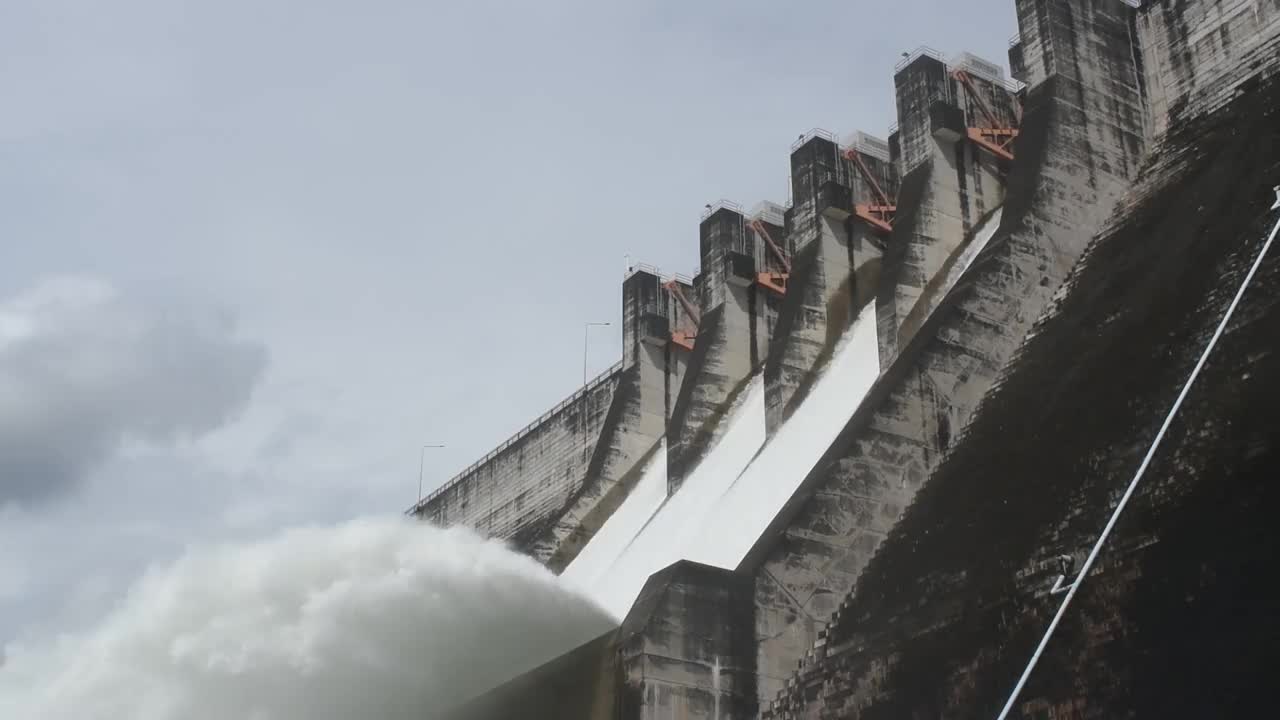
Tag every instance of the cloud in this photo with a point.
(83, 371)
(382, 618)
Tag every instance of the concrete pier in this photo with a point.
(737, 319)
(684, 648)
(949, 183)
(836, 263)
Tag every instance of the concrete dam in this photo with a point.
(861, 464)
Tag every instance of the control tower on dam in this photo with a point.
(991, 307)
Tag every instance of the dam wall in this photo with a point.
(1176, 617)
(1052, 260)
(531, 475)
(1058, 197)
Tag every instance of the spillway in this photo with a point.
(669, 532)
(731, 497)
(750, 503)
(622, 526)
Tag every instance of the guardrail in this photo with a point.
(591, 385)
(721, 204)
(815, 132)
(643, 267)
(662, 276)
(922, 50)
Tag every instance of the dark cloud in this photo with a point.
(83, 371)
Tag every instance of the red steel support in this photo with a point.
(878, 215)
(683, 338)
(773, 281)
(995, 138)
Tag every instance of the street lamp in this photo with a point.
(422, 458)
(586, 331)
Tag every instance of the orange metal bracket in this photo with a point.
(990, 139)
(877, 216)
(776, 282)
(683, 339)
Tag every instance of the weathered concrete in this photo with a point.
(733, 336)
(1198, 53)
(1081, 139)
(835, 266)
(1177, 618)
(530, 478)
(949, 184)
(685, 648)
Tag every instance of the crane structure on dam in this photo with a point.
(878, 215)
(995, 137)
(775, 282)
(683, 338)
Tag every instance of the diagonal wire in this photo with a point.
(1142, 469)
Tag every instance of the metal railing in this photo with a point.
(643, 267)
(721, 204)
(456, 479)
(662, 276)
(815, 132)
(914, 54)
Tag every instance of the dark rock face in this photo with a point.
(1178, 618)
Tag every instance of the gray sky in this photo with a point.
(255, 254)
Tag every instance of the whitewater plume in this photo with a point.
(383, 619)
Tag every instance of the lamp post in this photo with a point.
(586, 333)
(422, 459)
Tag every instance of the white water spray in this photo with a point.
(383, 619)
